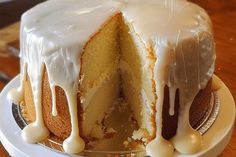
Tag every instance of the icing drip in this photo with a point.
(54, 105)
(198, 61)
(187, 140)
(35, 74)
(36, 131)
(74, 143)
(65, 76)
(184, 60)
(161, 74)
(172, 93)
(16, 95)
(159, 147)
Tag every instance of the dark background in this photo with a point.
(10, 12)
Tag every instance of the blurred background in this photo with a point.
(10, 13)
(11, 10)
(222, 13)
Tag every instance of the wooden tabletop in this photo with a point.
(223, 15)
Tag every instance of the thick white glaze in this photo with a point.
(53, 35)
(180, 33)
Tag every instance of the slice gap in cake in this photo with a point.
(115, 62)
(119, 124)
(99, 78)
(136, 67)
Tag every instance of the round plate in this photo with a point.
(215, 139)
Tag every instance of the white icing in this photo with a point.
(36, 131)
(54, 105)
(57, 44)
(54, 33)
(161, 71)
(74, 143)
(16, 95)
(184, 62)
(160, 148)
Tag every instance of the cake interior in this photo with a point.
(113, 66)
(136, 69)
(100, 80)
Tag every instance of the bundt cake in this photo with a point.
(79, 56)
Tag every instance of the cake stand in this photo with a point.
(215, 139)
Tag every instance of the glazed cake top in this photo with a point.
(58, 27)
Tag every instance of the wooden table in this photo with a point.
(223, 15)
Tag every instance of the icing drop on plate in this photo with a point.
(216, 83)
(159, 147)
